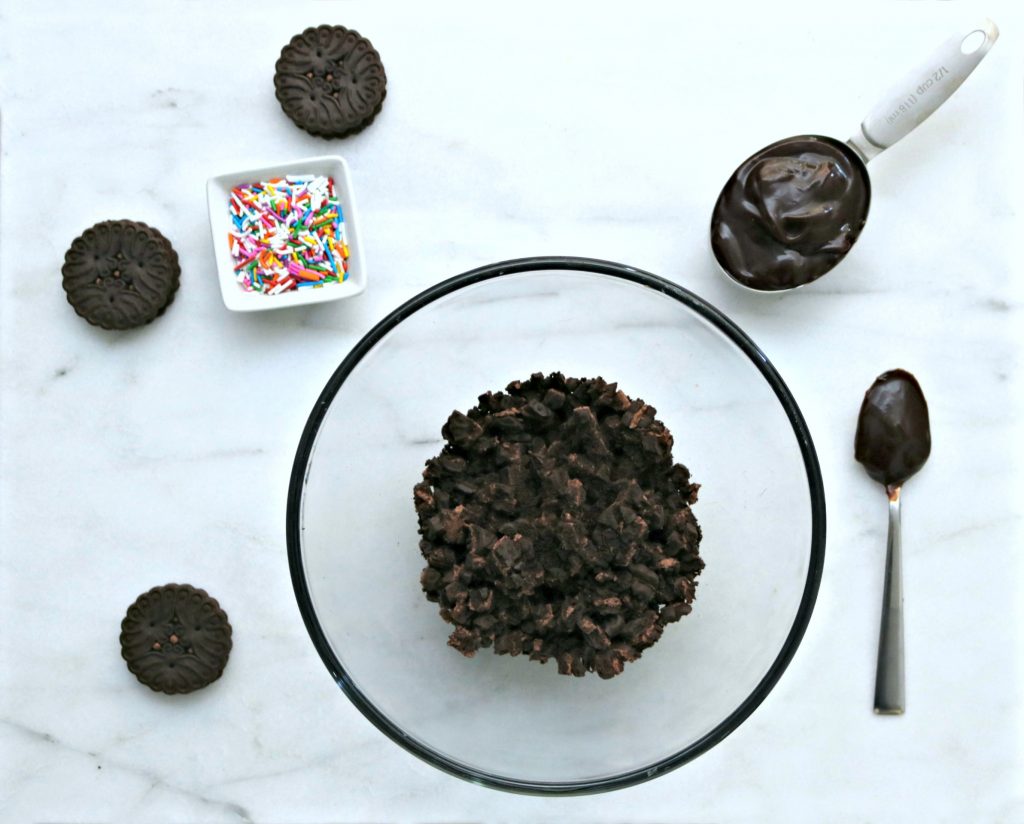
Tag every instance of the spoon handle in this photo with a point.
(922, 91)
(889, 678)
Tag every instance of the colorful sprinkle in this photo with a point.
(289, 233)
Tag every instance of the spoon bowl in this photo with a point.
(790, 213)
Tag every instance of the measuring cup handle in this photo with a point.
(922, 91)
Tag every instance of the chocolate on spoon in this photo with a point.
(893, 435)
(792, 211)
(893, 442)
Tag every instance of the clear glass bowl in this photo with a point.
(510, 722)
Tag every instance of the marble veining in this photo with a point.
(163, 454)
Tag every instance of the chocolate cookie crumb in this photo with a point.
(555, 525)
(176, 638)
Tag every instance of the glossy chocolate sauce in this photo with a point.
(790, 212)
(893, 437)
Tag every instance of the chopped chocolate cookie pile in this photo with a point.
(555, 524)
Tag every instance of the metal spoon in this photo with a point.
(893, 441)
(792, 211)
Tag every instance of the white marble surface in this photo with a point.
(163, 454)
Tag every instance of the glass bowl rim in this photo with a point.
(704, 310)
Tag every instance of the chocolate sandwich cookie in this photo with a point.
(330, 81)
(176, 638)
(120, 274)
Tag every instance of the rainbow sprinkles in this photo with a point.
(289, 234)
